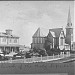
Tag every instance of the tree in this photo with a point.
(35, 50)
(42, 52)
(53, 51)
(47, 45)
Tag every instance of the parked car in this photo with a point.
(10, 55)
(2, 57)
(18, 56)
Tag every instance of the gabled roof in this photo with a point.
(53, 33)
(57, 31)
(41, 32)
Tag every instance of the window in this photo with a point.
(15, 40)
(71, 37)
(62, 34)
(35, 40)
(62, 41)
(38, 40)
(41, 40)
(4, 40)
(10, 40)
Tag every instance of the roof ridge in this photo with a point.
(57, 28)
(41, 32)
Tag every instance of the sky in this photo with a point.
(24, 17)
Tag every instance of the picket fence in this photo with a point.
(38, 59)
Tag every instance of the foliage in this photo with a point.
(53, 51)
(72, 52)
(27, 55)
(42, 52)
(31, 51)
(47, 45)
(35, 50)
(39, 51)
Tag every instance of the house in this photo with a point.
(54, 38)
(9, 42)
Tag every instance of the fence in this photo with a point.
(46, 58)
(38, 59)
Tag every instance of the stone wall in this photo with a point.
(37, 68)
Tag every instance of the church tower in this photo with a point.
(69, 30)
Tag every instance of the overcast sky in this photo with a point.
(24, 17)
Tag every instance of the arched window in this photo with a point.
(71, 37)
(41, 40)
(61, 41)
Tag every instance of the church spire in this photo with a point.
(69, 24)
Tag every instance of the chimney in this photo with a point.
(9, 32)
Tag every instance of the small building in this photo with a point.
(22, 48)
(9, 42)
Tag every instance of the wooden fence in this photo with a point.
(38, 59)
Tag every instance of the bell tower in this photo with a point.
(69, 30)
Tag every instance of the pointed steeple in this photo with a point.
(69, 24)
(69, 30)
(69, 17)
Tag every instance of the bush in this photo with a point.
(53, 51)
(42, 52)
(73, 52)
(27, 55)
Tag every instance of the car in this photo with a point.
(10, 55)
(2, 57)
(18, 56)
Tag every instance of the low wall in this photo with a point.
(37, 68)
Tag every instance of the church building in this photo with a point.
(54, 38)
(39, 38)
